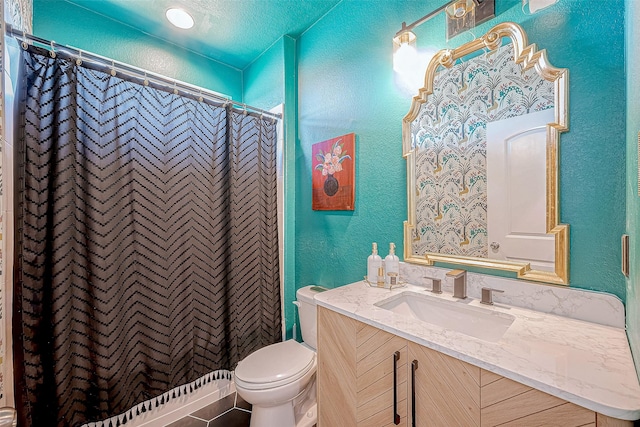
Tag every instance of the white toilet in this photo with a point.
(279, 379)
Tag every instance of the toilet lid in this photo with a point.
(275, 365)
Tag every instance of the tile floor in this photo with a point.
(230, 411)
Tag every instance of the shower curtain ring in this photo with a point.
(145, 81)
(79, 60)
(52, 53)
(175, 87)
(24, 43)
(244, 107)
(113, 68)
(200, 98)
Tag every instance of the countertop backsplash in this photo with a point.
(597, 307)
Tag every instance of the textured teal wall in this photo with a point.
(270, 80)
(346, 85)
(633, 200)
(263, 79)
(290, 160)
(68, 24)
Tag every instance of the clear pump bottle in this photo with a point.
(391, 263)
(373, 263)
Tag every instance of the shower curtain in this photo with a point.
(147, 252)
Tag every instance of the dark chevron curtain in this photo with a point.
(147, 243)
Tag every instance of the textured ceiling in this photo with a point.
(234, 32)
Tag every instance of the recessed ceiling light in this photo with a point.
(180, 18)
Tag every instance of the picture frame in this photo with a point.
(333, 174)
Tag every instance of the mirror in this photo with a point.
(481, 144)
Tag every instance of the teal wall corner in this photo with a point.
(75, 26)
(633, 199)
(290, 47)
(263, 79)
(347, 85)
(272, 79)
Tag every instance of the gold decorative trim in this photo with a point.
(528, 56)
(624, 267)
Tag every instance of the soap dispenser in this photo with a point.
(392, 263)
(373, 263)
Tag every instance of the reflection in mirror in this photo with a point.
(481, 147)
(516, 190)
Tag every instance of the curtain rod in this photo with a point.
(133, 71)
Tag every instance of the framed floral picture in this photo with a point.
(334, 174)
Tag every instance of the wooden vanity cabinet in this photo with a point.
(356, 374)
(505, 402)
(447, 390)
(356, 386)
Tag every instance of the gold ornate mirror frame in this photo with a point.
(528, 57)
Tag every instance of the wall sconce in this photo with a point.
(404, 49)
(532, 6)
(461, 16)
(410, 64)
(405, 54)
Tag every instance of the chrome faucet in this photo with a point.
(459, 283)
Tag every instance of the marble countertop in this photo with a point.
(584, 363)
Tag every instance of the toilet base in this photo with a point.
(301, 411)
(282, 415)
(306, 407)
(310, 418)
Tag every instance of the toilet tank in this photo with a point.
(307, 312)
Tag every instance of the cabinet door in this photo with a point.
(356, 374)
(336, 369)
(447, 390)
(508, 403)
(381, 393)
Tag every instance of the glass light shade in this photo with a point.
(404, 58)
(404, 51)
(461, 17)
(411, 66)
(532, 6)
(180, 18)
(459, 8)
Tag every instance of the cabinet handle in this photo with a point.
(414, 368)
(396, 416)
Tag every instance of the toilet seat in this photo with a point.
(275, 365)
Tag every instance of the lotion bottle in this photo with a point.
(373, 263)
(392, 263)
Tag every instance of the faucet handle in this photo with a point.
(487, 295)
(456, 274)
(436, 285)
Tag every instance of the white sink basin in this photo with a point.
(477, 322)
